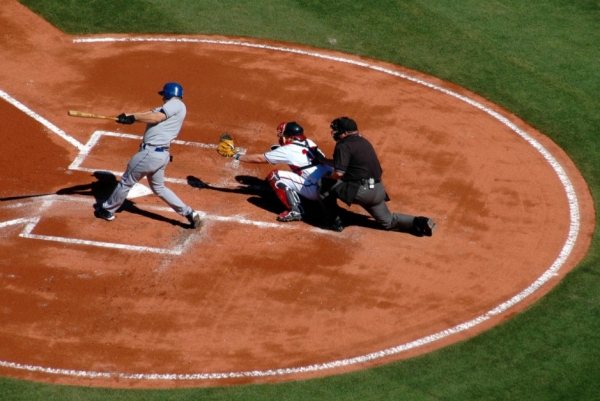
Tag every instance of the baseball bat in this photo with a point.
(83, 114)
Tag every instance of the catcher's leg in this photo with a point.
(287, 196)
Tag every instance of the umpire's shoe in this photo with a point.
(423, 226)
(194, 219)
(334, 225)
(102, 213)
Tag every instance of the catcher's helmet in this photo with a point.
(290, 129)
(171, 89)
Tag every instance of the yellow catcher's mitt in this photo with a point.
(226, 148)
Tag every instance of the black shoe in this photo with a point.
(335, 225)
(102, 213)
(423, 226)
(194, 219)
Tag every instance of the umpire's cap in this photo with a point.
(343, 124)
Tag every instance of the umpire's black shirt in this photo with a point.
(356, 158)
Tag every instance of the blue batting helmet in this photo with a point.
(171, 89)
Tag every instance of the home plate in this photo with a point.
(138, 190)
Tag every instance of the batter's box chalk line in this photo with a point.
(31, 222)
(138, 189)
(51, 200)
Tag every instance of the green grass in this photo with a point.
(540, 60)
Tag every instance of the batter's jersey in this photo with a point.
(295, 155)
(164, 132)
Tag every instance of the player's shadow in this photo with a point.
(264, 197)
(103, 187)
(130, 207)
(100, 189)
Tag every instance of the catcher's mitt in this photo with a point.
(226, 148)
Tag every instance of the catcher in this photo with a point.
(300, 154)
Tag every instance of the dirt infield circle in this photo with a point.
(144, 302)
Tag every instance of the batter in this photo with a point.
(163, 125)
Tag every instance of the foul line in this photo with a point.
(547, 275)
(41, 120)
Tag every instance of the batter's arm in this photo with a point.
(151, 117)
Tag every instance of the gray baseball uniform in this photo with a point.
(152, 159)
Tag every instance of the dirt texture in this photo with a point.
(244, 298)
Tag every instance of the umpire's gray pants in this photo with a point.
(146, 163)
(373, 201)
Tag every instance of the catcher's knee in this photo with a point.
(275, 181)
(273, 177)
(286, 195)
(279, 187)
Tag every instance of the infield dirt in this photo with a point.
(245, 293)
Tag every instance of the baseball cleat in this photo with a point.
(102, 213)
(423, 226)
(289, 215)
(194, 219)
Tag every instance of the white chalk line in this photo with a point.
(74, 241)
(41, 120)
(547, 275)
(31, 222)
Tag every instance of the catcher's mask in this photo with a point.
(291, 129)
(341, 125)
(170, 90)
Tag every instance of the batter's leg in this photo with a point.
(136, 170)
(157, 185)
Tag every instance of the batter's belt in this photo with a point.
(156, 148)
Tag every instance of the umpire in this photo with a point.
(356, 179)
